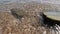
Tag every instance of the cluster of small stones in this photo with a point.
(27, 25)
(11, 25)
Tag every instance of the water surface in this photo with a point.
(42, 1)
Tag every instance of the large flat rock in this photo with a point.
(53, 15)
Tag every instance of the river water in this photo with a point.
(42, 1)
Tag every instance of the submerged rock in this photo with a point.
(18, 13)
